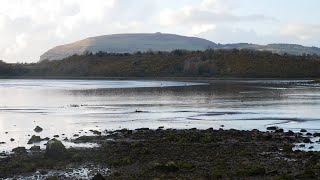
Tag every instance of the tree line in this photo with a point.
(177, 63)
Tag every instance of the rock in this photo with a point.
(279, 131)
(316, 134)
(43, 172)
(272, 128)
(38, 129)
(311, 147)
(96, 132)
(34, 139)
(2, 142)
(19, 150)
(56, 136)
(306, 140)
(6, 132)
(55, 149)
(303, 130)
(76, 135)
(142, 129)
(11, 139)
(138, 111)
(302, 145)
(98, 176)
(289, 133)
(309, 134)
(35, 148)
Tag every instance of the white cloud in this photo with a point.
(28, 28)
(302, 31)
(48, 23)
(206, 16)
(202, 28)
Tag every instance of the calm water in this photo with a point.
(76, 106)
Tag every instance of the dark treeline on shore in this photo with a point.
(178, 63)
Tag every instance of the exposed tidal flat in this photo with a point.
(92, 117)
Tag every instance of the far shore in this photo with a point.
(154, 78)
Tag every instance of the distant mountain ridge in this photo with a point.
(129, 43)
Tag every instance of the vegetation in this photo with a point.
(178, 63)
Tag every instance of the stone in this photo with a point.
(38, 129)
(306, 140)
(98, 176)
(34, 139)
(289, 133)
(55, 149)
(96, 132)
(35, 148)
(279, 131)
(316, 134)
(19, 150)
(303, 130)
(272, 128)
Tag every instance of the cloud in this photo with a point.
(209, 13)
(28, 28)
(302, 31)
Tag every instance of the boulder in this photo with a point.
(306, 140)
(272, 128)
(303, 130)
(38, 129)
(289, 133)
(316, 134)
(34, 139)
(35, 148)
(55, 149)
(19, 150)
(98, 176)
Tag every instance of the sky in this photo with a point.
(28, 28)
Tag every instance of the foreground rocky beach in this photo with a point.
(171, 154)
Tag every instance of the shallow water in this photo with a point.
(76, 106)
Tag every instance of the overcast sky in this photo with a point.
(28, 28)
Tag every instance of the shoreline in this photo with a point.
(180, 154)
(151, 78)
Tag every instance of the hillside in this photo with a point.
(293, 49)
(128, 43)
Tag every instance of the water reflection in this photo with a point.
(68, 106)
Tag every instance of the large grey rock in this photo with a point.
(55, 149)
(35, 139)
(38, 129)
